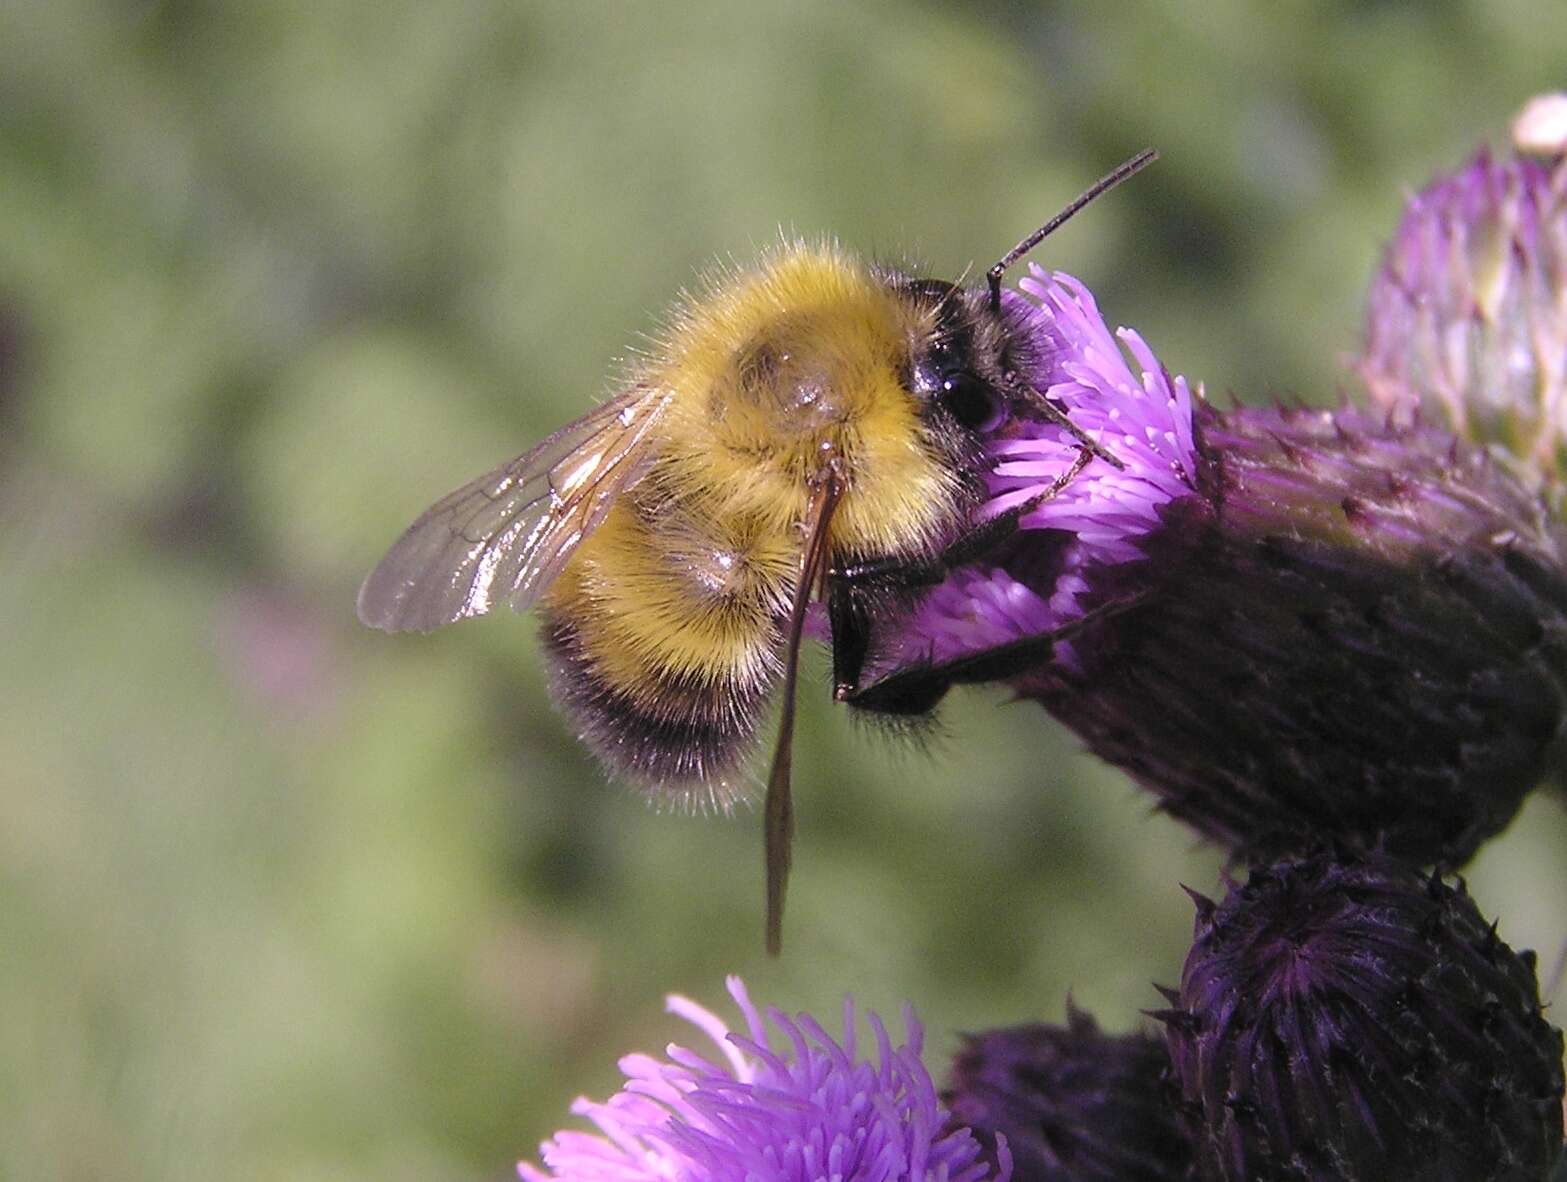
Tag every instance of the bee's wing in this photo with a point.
(502, 538)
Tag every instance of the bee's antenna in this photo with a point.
(1100, 187)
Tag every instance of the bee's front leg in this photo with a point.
(850, 610)
(919, 687)
(854, 590)
(973, 543)
(849, 614)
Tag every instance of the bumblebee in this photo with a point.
(811, 430)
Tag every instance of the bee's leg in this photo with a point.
(907, 695)
(972, 544)
(850, 617)
(927, 572)
(849, 611)
(1058, 416)
(917, 689)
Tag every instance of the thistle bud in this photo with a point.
(1467, 318)
(1072, 1103)
(1354, 1021)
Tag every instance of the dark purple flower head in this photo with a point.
(809, 1111)
(1467, 316)
(1359, 632)
(1353, 1020)
(1291, 624)
(1074, 1104)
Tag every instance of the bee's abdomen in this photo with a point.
(667, 732)
(664, 631)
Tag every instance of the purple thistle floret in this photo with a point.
(1467, 317)
(1141, 415)
(809, 1112)
(1350, 1020)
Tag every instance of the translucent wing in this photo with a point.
(502, 538)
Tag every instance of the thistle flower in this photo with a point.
(1352, 1020)
(1467, 316)
(1074, 1104)
(1292, 624)
(810, 1111)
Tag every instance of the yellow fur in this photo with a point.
(774, 371)
(644, 613)
(729, 446)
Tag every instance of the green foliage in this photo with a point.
(280, 898)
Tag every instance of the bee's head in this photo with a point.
(969, 369)
(973, 369)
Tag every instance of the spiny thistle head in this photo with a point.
(1074, 1104)
(1353, 1020)
(1358, 632)
(807, 1111)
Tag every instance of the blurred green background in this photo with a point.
(284, 898)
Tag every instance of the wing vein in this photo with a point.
(505, 536)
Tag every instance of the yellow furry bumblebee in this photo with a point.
(811, 429)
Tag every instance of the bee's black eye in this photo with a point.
(971, 401)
